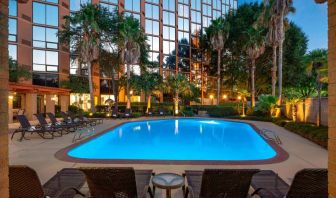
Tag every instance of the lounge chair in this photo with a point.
(26, 127)
(219, 182)
(24, 183)
(94, 121)
(69, 126)
(71, 119)
(118, 182)
(46, 126)
(307, 183)
(150, 112)
(162, 112)
(128, 113)
(115, 113)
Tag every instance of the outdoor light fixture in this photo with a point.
(211, 97)
(131, 92)
(10, 97)
(224, 96)
(90, 114)
(176, 112)
(239, 97)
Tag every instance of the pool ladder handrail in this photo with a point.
(270, 135)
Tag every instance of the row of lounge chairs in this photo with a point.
(127, 182)
(55, 128)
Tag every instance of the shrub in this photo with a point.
(75, 109)
(220, 112)
(265, 105)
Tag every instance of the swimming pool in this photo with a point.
(176, 140)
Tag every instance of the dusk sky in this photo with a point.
(312, 18)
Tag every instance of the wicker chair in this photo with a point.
(118, 182)
(307, 183)
(219, 183)
(24, 183)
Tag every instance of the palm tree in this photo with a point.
(4, 99)
(254, 47)
(317, 62)
(131, 41)
(84, 31)
(178, 85)
(148, 83)
(279, 9)
(217, 33)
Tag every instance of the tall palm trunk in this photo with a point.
(274, 69)
(176, 101)
(128, 86)
(282, 38)
(253, 83)
(148, 103)
(4, 99)
(93, 109)
(218, 75)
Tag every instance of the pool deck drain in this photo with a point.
(39, 154)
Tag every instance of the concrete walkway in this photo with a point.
(39, 154)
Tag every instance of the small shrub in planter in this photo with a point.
(137, 115)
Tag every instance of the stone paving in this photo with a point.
(39, 154)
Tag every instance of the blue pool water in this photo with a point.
(177, 139)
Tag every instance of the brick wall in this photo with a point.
(3, 99)
(332, 97)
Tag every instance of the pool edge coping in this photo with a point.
(281, 154)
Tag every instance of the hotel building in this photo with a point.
(172, 27)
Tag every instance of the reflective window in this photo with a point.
(207, 10)
(45, 61)
(136, 16)
(109, 7)
(184, 65)
(45, 79)
(75, 4)
(152, 27)
(12, 51)
(169, 18)
(12, 30)
(152, 11)
(168, 47)
(183, 24)
(195, 29)
(184, 1)
(132, 5)
(44, 37)
(168, 33)
(196, 4)
(183, 10)
(153, 1)
(169, 61)
(154, 43)
(216, 4)
(45, 14)
(12, 8)
(169, 5)
(195, 16)
(183, 36)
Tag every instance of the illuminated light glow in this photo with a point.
(211, 97)
(209, 122)
(176, 127)
(176, 111)
(108, 115)
(224, 96)
(131, 92)
(10, 97)
(90, 114)
(239, 97)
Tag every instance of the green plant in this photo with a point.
(265, 105)
(220, 112)
(85, 30)
(74, 109)
(77, 84)
(17, 71)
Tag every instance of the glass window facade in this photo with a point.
(75, 4)
(45, 43)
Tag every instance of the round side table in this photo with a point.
(168, 181)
